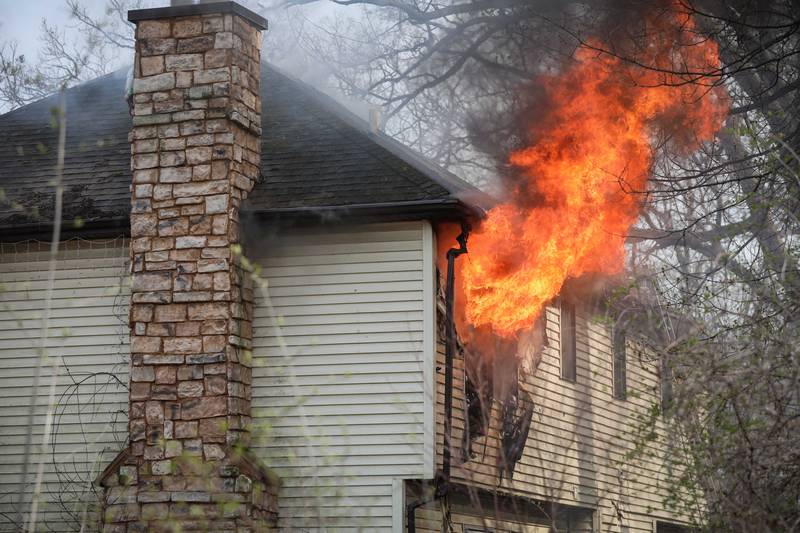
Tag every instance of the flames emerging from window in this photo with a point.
(585, 172)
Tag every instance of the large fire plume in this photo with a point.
(584, 173)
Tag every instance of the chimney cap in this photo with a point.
(204, 8)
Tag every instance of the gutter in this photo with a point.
(99, 229)
(444, 209)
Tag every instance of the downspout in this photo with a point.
(450, 348)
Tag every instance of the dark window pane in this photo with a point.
(666, 386)
(568, 364)
(620, 364)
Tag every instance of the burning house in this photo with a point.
(264, 315)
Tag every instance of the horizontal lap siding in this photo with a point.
(88, 334)
(338, 394)
(580, 436)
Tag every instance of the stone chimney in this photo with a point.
(195, 153)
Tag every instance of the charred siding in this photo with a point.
(576, 452)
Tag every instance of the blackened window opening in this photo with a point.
(568, 345)
(620, 364)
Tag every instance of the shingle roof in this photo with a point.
(316, 156)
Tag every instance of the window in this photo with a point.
(666, 527)
(620, 364)
(568, 347)
(666, 386)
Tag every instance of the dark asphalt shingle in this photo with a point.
(315, 155)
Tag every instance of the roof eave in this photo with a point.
(434, 210)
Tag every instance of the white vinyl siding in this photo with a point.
(341, 359)
(88, 336)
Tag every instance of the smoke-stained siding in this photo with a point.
(339, 371)
(89, 337)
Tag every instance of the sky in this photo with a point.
(20, 20)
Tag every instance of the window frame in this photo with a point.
(619, 364)
(568, 340)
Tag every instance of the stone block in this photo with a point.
(212, 265)
(155, 511)
(195, 45)
(198, 155)
(243, 484)
(143, 224)
(142, 373)
(162, 192)
(183, 62)
(154, 413)
(200, 408)
(213, 75)
(175, 174)
(156, 46)
(163, 392)
(191, 496)
(213, 24)
(216, 385)
(142, 344)
(190, 242)
(183, 345)
(151, 65)
(137, 429)
(144, 190)
(193, 296)
(144, 161)
(190, 389)
(152, 281)
(165, 375)
(223, 39)
(175, 143)
(190, 27)
(216, 204)
(188, 329)
(173, 227)
(161, 468)
(213, 452)
(208, 311)
(153, 496)
(158, 82)
(171, 313)
(214, 429)
(141, 313)
(185, 430)
(194, 114)
(172, 159)
(147, 29)
(173, 448)
(128, 475)
(161, 359)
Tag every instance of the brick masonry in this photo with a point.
(195, 152)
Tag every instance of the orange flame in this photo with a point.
(586, 170)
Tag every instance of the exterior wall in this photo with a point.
(88, 335)
(343, 371)
(576, 451)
